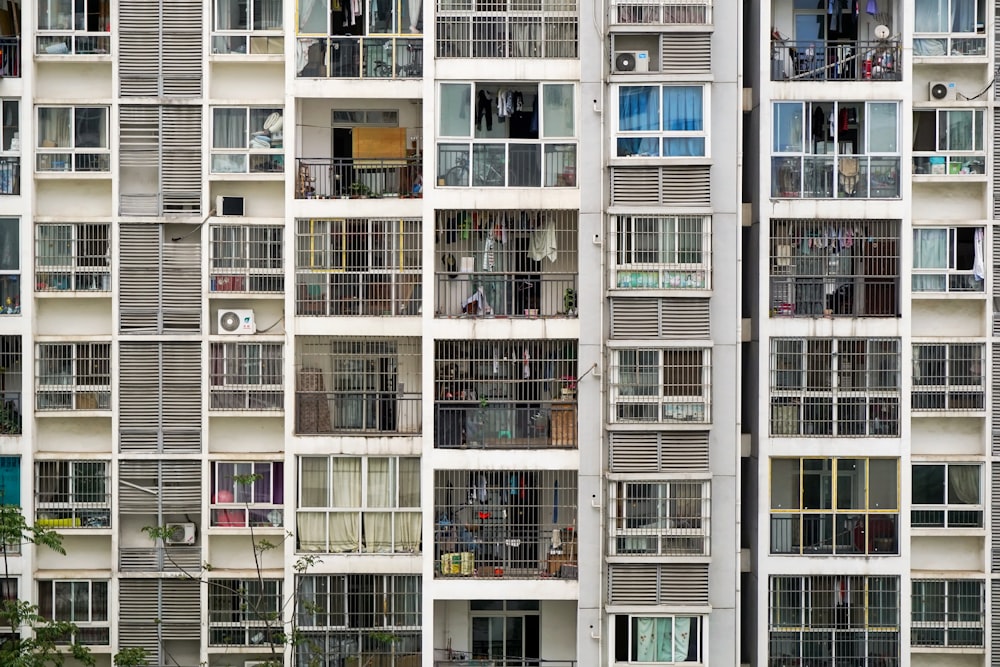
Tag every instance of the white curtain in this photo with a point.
(229, 129)
(930, 251)
(313, 492)
(346, 491)
(408, 525)
(963, 484)
(381, 489)
(54, 127)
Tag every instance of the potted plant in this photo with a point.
(360, 191)
(568, 389)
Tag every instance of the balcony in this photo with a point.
(835, 177)
(515, 524)
(836, 60)
(360, 58)
(470, 424)
(661, 12)
(509, 164)
(358, 178)
(10, 57)
(840, 534)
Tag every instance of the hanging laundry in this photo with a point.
(542, 243)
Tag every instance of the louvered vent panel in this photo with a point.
(150, 486)
(139, 278)
(139, 160)
(995, 625)
(181, 57)
(181, 397)
(635, 317)
(139, 396)
(160, 397)
(138, 48)
(686, 53)
(138, 610)
(632, 584)
(684, 584)
(180, 603)
(181, 171)
(684, 319)
(996, 163)
(686, 186)
(995, 520)
(636, 186)
(634, 452)
(139, 486)
(181, 279)
(683, 451)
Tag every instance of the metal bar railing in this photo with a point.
(10, 57)
(668, 12)
(360, 57)
(358, 178)
(506, 294)
(322, 412)
(835, 296)
(834, 177)
(10, 413)
(941, 164)
(462, 423)
(836, 61)
(10, 175)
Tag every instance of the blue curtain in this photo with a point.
(638, 111)
(683, 111)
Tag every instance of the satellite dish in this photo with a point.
(882, 32)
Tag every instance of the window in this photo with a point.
(245, 612)
(838, 387)
(73, 139)
(846, 268)
(244, 490)
(75, 256)
(247, 258)
(948, 612)
(10, 266)
(662, 121)
(660, 639)
(358, 266)
(74, 376)
(72, 494)
(685, 12)
(834, 506)
(823, 150)
(247, 27)
(947, 495)
(660, 518)
(663, 252)
(949, 376)
(80, 27)
(948, 141)
(833, 620)
(505, 632)
(352, 504)
(10, 493)
(10, 147)
(948, 260)
(247, 376)
(82, 602)
(10, 384)
(345, 619)
(523, 135)
(395, 17)
(354, 385)
(663, 385)
(949, 28)
(507, 29)
(247, 140)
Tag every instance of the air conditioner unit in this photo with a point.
(236, 322)
(180, 533)
(632, 61)
(229, 205)
(942, 90)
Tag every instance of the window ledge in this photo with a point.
(74, 58)
(246, 58)
(75, 414)
(247, 176)
(82, 530)
(950, 60)
(970, 650)
(82, 175)
(948, 532)
(246, 413)
(662, 558)
(660, 292)
(947, 413)
(950, 178)
(694, 161)
(242, 530)
(947, 295)
(73, 294)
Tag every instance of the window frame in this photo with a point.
(247, 258)
(270, 37)
(262, 513)
(947, 620)
(953, 277)
(257, 607)
(671, 408)
(99, 625)
(86, 267)
(71, 391)
(954, 396)
(246, 376)
(951, 39)
(82, 513)
(673, 531)
(10, 266)
(631, 273)
(74, 158)
(947, 507)
(242, 160)
(75, 40)
(627, 624)
(661, 134)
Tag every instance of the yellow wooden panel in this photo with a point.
(379, 142)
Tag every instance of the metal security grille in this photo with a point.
(75, 256)
(357, 385)
(506, 263)
(505, 394)
(834, 618)
(72, 494)
(73, 376)
(659, 518)
(518, 524)
(358, 267)
(247, 376)
(507, 29)
(949, 376)
(948, 612)
(836, 387)
(10, 385)
(358, 619)
(677, 12)
(663, 252)
(247, 258)
(82, 602)
(844, 268)
(834, 506)
(661, 385)
(245, 612)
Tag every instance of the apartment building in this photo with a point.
(439, 300)
(873, 436)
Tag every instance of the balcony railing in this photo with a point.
(59, 44)
(10, 57)
(841, 534)
(507, 164)
(10, 294)
(10, 413)
(490, 425)
(834, 176)
(662, 12)
(360, 58)
(359, 178)
(836, 61)
(453, 658)
(494, 32)
(364, 412)
(942, 164)
(380, 292)
(950, 46)
(506, 294)
(10, 175)
(819, 296)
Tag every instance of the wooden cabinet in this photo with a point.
(563, 425)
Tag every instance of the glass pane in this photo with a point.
(267, 14)
(557, 110)
(639, 108)
(930, 248)
(850, 484)
(231, 14)
(963, 485)
(229, 129)
(312, 17)
(91, 127)
(788, 127)
(963, 15)
(882, 131)
(55, 15)
(928, 485)
(54, 127)
(682, 108)
(785, 484)
(455, 108)
(883, 484)
(9, 244)
(930, 16)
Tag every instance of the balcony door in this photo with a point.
(507, 637)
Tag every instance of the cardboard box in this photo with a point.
(457, 564)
